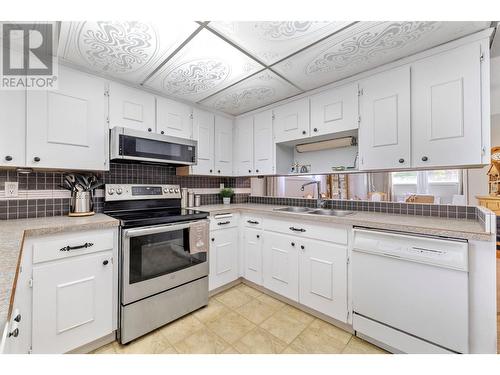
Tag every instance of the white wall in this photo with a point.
(477, 179)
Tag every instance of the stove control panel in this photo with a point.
(122, 192)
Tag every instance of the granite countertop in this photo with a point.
(436, 226)
(12, 235)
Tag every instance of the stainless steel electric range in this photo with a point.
(163, 256)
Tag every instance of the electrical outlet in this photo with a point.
(221, 186)
(11, 189)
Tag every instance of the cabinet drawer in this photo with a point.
(252, 222)
(70, 244)
(223, 221)
(325, 232)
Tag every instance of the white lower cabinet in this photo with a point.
(252, 250)
(281, 265)
(72, 301)
(66, 294)
(323, 277)
(223, 257)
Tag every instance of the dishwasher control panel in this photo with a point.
(435, 251)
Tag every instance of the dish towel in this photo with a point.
(198, 237)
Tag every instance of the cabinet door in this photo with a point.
(335, 110)
(13, 123)
(223, 257)
(66, 128)
(244, 146)
(291, 121)
(131, 108)
(323, 278)
(280, 265)
(72, 302)
(223, 146)
(446, 108)
(384, 132)
(263, 143)
(203, 132)
(252, 240)
(173, 118)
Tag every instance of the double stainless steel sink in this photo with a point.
(315, 211)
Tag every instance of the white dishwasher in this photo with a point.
(410, 292)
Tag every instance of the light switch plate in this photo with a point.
(11, 189)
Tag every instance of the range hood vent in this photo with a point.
(326, 145)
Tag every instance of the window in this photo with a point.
(444, 176)
(404, 178)
(443, 185)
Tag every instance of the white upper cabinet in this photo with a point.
(131, 108)
(13, 124)
(335, 110)
(263, 143)
(254, 145)
(384, 131)
(66, 128)
(223, 146)
(446, 108)
(173, 118)
(291, 121)
(203, 132)
(244, 146)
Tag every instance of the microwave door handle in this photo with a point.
(154, 230)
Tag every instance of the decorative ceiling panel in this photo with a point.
(367, 45)
(204, 66)
(259, 90)
(128, 51)
(273, 41)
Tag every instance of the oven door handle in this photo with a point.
(154, 230)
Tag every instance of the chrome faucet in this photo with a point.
(320, 203)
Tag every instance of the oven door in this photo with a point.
(158, 258)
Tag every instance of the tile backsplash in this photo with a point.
(40, 194)
(446, 211)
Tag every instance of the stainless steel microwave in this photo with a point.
(129, 144)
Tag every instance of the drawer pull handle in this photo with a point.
(252, 222)
(297, 229)
(224, 223)
(84, 246)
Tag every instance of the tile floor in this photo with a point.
(246, 321)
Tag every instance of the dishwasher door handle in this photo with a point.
(430, 251)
